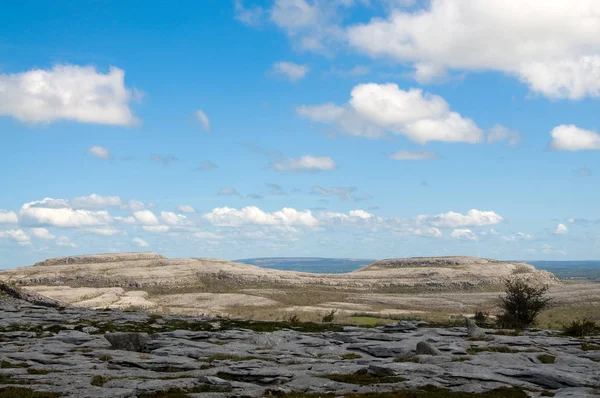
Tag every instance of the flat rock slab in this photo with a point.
(71, 351)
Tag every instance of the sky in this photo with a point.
(339, 128)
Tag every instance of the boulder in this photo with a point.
(128, 341)
(424, 348)
(473, 330)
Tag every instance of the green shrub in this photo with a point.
(581, 328)
(329, 317)
(522, 304)
(481, 318)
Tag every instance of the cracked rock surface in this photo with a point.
(64, 350)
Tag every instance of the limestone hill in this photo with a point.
(441, 286)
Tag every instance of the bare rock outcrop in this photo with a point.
(99, 258)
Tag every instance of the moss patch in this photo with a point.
(12, 392)
(546, 358)
(363, 378)
(502, 349)
(424, 392)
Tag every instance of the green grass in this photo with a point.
(546, 358)
(99, 380)
(363, 378)
(14, 392)
(183, 393)
(424, 392)
(9, 365)
(6, 379)
(350, 356)
(589, 347)
(232, 357)
(502, 349)
(32, 371)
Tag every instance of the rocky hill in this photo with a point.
(443, 286)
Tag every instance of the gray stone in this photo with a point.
(424, 348)
(474, 331)
(128, 341)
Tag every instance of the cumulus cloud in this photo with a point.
(201, 116)
(551, 48)
(186, 209)
(375, 109)
(463, 234)
(291, 71)
(413, 155)
(251, 215)
(100, 152)
(67, 92)
(157, 229)
(251, 16)
(572, 138)
(65, 242)
(305, 163)
(500, 133)
(54, 212)
(561, 229)
(96, 201)
(451, 219)
(140, 242)
(8, 217)
(17, 235)
(517, 236)
(429, 232)
(42, 233)
(146, 217)
(104, 231)
(171, 218)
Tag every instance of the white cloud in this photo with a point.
(8, 217)
(229, 191)
(428, 232)
(343, 193)
(17, 235)
(146, 217)
(375, 109)
(157, 229)
(572, 138)
(294, 14)
(247, 16)
(201, 116)
(517, 236)
(291, 71)
(65, 242)
(551, 46)
(99, 152)
(67, 92)
(96, 201)
(463, 234)
(48, 212)
(42, 233)
(251, 215)
(186, 209)
(305, 163)
(207, 235)
(140, 242)
(500, 133)
(451, 219)
(171, 218)
(104, 231)
(413, 155)
(353, 217)
(561, 229)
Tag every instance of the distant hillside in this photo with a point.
(318, 265)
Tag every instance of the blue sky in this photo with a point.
(343, 128)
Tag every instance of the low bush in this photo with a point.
(329, 317)
(581, 328)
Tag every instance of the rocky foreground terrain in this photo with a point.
(47, 350)
(194, 286)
